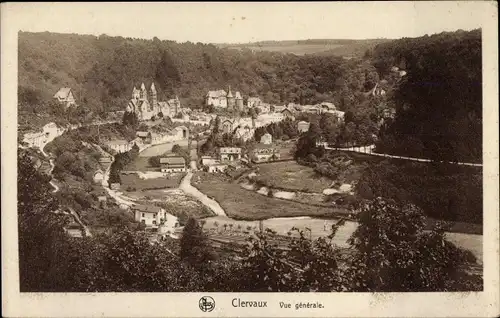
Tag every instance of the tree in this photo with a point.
(394, 253)
(167, 72)
(194, 247)
(42, 241)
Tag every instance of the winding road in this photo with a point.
(203, 198)
(56, 189)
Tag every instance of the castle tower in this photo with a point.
(144, 93)
(239, 101)
(136, 94)
(154, 98)
(230, 100)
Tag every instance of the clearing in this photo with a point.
(247, 205)
(291, 176)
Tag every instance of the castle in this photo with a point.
(222, 99)
(148, 106)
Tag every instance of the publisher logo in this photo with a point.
(207, 303)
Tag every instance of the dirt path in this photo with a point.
(203, 198)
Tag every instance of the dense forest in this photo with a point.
(438, 101)
(103, 70)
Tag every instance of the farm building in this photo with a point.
(151, 216)
(229, 153)
(173, 164)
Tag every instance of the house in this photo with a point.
(313, 109)
(263, 108)
(65, 96)
(36, 140)
(253, 102)
(216, 98)
(266, 139)
(173, 164)
(151, 216)
(229, 153)
(145, 136)
(114, 186)
(98, 176)
(207, 160)
(245, 133)
(74, 229)
(212, 165)
(287, 113)
(227, 126)
(339, 114)
(377, 91)
(105, 159)
(303, 126)
(119, 145)
(264, 154)
(216, 166)
(40, 139)
(182, 132)
(278, 109)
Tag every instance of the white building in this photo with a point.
(229, 153)
(173, 164)
(151, 216)
(98, 176)
(65, 96)
(303, 126)
(119, 145)
(253, 102)
(264, 154)
(39, 139)
(216, 98)
(266, 139)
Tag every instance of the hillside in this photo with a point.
(328, 47)
(438, 102)
(103, 70)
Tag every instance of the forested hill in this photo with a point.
(439, 102)
(103, 70)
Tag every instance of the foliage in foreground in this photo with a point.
(390, 252)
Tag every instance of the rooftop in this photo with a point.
(173, 160)
(63, 92)
(147, 208)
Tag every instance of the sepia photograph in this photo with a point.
(252, 148)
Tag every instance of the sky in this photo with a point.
(225, 22)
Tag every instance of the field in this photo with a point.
(140, 164)
(346, 48)
(291, 176)
(247, 205)
(132, 182)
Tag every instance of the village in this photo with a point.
(172, 167)
(144, 104)
(329, 162)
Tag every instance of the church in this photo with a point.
(147, 105)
